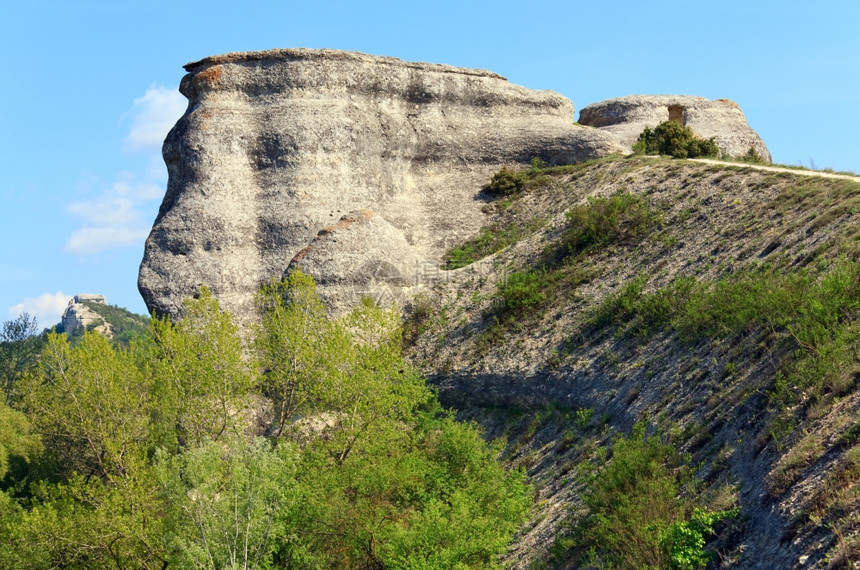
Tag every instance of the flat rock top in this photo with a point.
(307, 54)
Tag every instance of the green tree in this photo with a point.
(351, 367)
(86, 524)
(202, 380)
(223, 502)
(293, 346)
(386, 479)
(16, 438)
(91, 405)
(151, 465)
(19, 346)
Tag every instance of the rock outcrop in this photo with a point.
(78, 315)
(722, 119)
(277, 145)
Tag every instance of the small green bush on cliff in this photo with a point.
(675, 140)
(619, 218)
(506, 182)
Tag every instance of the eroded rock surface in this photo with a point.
(627, 117)
(276, 145)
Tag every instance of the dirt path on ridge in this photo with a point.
(800, 172)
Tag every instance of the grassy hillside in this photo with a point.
(698, 318)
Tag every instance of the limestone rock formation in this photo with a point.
(277, 145)
(627, 117)
(78, 316)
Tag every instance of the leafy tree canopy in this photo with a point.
(153, 455)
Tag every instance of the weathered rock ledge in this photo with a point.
(78, 316)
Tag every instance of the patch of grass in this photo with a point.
(620, 218)
(642, 313)
(812, 312)
(491, 239)
(524, 290)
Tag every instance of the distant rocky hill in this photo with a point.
(89, 312)
(79, 315)
(277, 147)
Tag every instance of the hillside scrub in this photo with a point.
(617, 219)
(639, 510)
(142, 456)
(732, 314)
(813, 311)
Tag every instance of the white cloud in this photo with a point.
(153, 115)
(122, 215)
(114, 219)
(109, 210)
(89, 240)
(47, 308)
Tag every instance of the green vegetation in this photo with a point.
(508, 186)
(19, 348)
(809, 319)
(752, 156)
(730, 308)
(638, 510)
(126, 326)
(676, 140)
(140, 456)
(620, 218)
(491, 239)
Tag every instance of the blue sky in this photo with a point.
(89, 91)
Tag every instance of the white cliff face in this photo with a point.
(277, 145)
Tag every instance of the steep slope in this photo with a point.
(718, 301)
